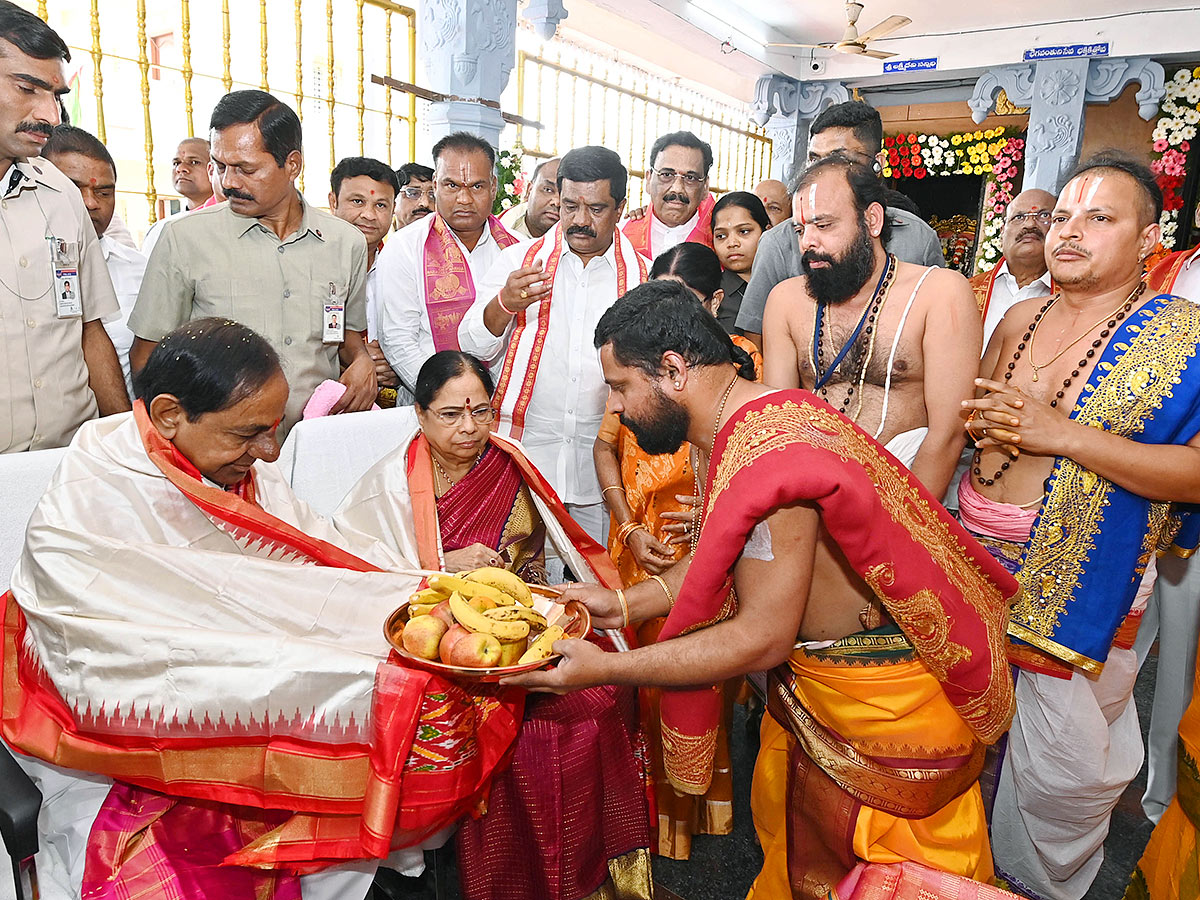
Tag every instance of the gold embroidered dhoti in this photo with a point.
(908, 751)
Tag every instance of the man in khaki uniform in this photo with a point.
(59, 368)
(293, 273)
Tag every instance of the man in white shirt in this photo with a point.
(82, 158)
(538, 212)
(363, 192)
(1021, 272)
(191, 176)
(534, 319)
(429, 269)
(680, 204)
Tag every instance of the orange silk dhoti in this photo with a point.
(912, 749)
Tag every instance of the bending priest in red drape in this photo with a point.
(568, 819)
(180, 622)
(887, 683)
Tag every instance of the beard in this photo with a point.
(665, 427)
(845, 275)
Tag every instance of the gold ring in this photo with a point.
(524, 295)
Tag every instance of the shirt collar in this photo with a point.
(22, 171)
(245, 223)
(609, 255)
(1194, 257)
(110, 247)
(1003, 272)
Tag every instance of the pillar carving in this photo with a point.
(786, 108)
(468, 53)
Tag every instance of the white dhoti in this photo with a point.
(1074, 746)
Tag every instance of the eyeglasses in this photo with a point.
(416, 193)
(1042, 217)
(483, 415)
(669, 175)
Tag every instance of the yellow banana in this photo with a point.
(449, 583)
(516, 613)
(543, 647)
(427, 596)
(503, 580)
(420, 609)
(477, 621)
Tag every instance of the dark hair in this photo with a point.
(538, 168)
(1117, 161)
(30, 35)
(69, 139)
(413, 171)
(277, 122)
(354, 166)
(694, 264)
(859, 117)
(865, 185)
(467, 142)
(682, 139)
(747, 201)
(660, 316)
(441, 367)
(897, 200)
(208, 365)
(586, 164)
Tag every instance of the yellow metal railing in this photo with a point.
(619, 106)
(176, 54)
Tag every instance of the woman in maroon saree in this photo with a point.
(569, 818)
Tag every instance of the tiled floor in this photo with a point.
(722, 868)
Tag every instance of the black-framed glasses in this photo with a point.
(483, 415)
(1042, 217)
(689, 178)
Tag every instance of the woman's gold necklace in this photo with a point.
(446, 476)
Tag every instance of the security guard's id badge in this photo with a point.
(64, 256)
(335, 317)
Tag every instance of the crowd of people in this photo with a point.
(774, 446)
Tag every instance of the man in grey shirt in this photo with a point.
(853, 129)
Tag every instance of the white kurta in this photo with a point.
(135, 599)
(569, 392)
(1006, 294)
(126, 266)
(405, 335)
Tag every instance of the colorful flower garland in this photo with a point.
(993, 153)
(510, 180)
(1173, 133)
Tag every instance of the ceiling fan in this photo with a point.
(854, 43)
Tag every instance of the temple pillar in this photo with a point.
(1057, 92)
(467, 49)
(787, 108)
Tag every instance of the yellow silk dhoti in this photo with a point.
(869, 691)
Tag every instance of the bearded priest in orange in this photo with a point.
(885, 688)
(533, 323)
(179, 621)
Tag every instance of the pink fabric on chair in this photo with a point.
(328, 393)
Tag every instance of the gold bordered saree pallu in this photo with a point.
(945, 592)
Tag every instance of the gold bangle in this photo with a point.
(627, 529)
(662, 583)
(624, 608)
(612, 487)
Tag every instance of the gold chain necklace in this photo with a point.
(1033, 337)
(446, 476)
(699, 507)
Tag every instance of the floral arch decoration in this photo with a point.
(1174, 131)
(994, 153)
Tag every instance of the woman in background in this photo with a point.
(738, 222)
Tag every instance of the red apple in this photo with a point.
(422, 636)
(449, 639)
(442, 611)
(474, 650)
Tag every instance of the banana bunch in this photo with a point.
(479, 619)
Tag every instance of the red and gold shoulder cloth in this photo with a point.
(418, 754)
(638, 230)
(947, 594)
(449, 287)
(1162, 276)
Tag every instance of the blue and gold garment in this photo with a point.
(1092, 540)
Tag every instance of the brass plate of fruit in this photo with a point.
(474, 629)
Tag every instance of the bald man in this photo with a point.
(1021, 272)
(775, 197)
